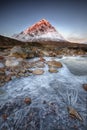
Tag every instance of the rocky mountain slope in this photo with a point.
(41, 30)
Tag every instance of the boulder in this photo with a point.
(54, 64)
(13, 61)
(18, 52)
(38, 71)
(53, 70)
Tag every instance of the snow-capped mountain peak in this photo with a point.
(41, 30)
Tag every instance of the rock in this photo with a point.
(2, 80)
(23, 71)
(53, 70)
(31, 55)
(42, 59)
(26, 74)
(27, 100)
(4, 116)
(45, 53)
(1, 58)
(12, 61)
(54, 64)
(13, 77)
(21, 74)
(85, 87)
(8, 78)
(18, 52)
(38, 71)
(40, 65)
(52, 54)
(30, 71)
(2, 71)
(73, 113)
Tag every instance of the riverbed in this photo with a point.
(51, 94)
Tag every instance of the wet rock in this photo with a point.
(18, 52)
(54, 64)
(53, 70)
(38, 71)
(85, 87)
(27, 100)
(74, 114)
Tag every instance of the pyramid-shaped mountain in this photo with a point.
(41, 30)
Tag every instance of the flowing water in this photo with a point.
(51, 94)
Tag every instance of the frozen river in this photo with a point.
(51, 94)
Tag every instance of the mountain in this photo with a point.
(7, 42)
(40, 31)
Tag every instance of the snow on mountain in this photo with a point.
(41, 30)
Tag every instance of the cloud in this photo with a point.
(77, 38)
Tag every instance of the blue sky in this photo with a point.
(68, 16)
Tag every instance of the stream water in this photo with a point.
(51, 94)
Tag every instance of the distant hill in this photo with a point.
(6, 42)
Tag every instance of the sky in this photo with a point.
(69, 17)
